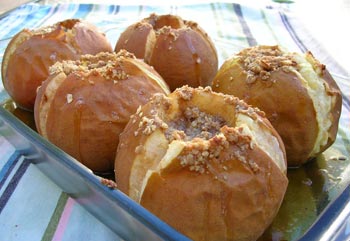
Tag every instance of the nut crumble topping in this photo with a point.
(185, 92)
(148, 125)
(206, 137)
(65, 25)
(196, 155)
(109, 65)
(229, 144)
(259, 61)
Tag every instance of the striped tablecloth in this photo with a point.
(32, 207)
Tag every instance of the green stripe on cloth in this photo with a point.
(265, 20)
(55, 218)
(216, 19)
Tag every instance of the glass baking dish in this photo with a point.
(297, 219)
(315, 206)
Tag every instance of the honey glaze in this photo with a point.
(311, 189)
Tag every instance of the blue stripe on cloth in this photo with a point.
(114, 9)
(83, 10)
(42, 17)
(250, 38)
(62, 12)
(36, 20)
(8, 167)
(292, 33)
(11, 187)
(24, 16)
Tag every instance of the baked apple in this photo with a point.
(180, 50)
(206, 163)
(30, 53)
(297, 93)
(84, 105)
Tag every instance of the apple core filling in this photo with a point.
(194, 124)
